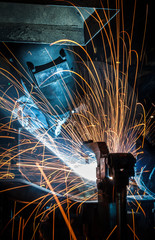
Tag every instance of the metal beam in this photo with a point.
(42, 23)
(33, 23)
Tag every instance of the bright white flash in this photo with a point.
(33, 120)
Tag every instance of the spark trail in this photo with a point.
(108, 111)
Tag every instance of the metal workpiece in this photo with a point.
(23, 190)
(36, 23)
(101, 152)
(41, 23)
(113, 173)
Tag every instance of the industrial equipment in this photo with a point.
(39, 84)
(113, 173)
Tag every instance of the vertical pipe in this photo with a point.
(121, 213)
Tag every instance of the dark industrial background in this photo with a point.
(145, 89)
